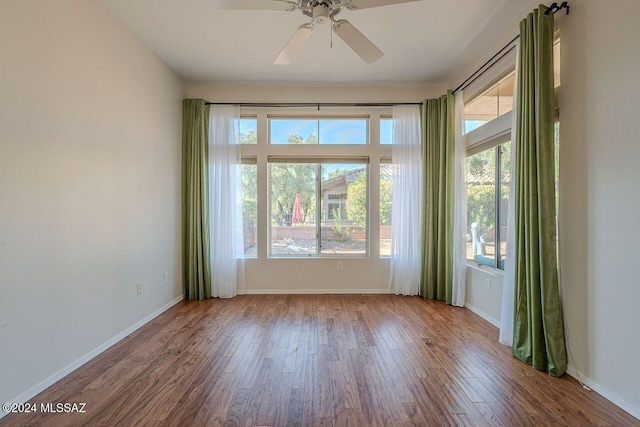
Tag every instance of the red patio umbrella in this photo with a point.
(297, 210)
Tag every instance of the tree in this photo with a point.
(357, 201)
(287, 179)
(386, 200)
(336, 173)
(481, 205)
(296, 139)
(249, 192)
(248, 137)
(482, 166)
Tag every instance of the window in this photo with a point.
(344, 207)
(490, 104)
(308, 189)
(386, 131)
(293, 209)
(248, 130)
(249, 196)
(488, 166)
(487, 201)
(318, 131)
(386, 205)
(318, 208)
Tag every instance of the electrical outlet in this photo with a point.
(139, 288)
(339, 266)
(487, 284)
(166, 277)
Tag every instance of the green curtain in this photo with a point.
(538, 334)
(438, 147)
(196, 273)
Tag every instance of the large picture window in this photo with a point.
(318, 208)
(316, 183)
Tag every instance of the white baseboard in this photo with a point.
(315, 291)
(605, 392)
(484, 315)
(42, 385)
(601, 390)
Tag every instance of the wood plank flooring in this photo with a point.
(343, 360)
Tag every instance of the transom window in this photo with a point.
(494, 102)
(248, 127)
(318, 131)
(386, 130)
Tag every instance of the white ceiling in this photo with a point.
(423, 41)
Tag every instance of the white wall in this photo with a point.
(315, 275)
(90, 131)
(600, 196)
(482, 297)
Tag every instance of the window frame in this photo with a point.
(494, 84)
(491, 136)
(319, 217)
(383, 161)
(263, 151)
(249, 161)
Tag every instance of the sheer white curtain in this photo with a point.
(460, 208)
(407, 200)
(508, 286)
(227, 253)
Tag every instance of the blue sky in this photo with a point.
(331, 131)
(386, 131)
(248, 125)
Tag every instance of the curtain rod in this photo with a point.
(555, 8)
(473, 77)
(313, 104)
(487, 65)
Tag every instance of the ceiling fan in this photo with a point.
(320, 12)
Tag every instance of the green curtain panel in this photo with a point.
(538, 334)
(438, 147)
(196, 276)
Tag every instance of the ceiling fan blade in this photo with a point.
(357, 41)
(295, 43)
(253, 4)
(366, 4)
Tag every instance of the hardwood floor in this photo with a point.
(283, 360)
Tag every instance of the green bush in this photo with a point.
(357, 201)
(481, 205)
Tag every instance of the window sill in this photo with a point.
(485, 269)
(323, 257)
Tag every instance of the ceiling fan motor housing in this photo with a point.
(321, 13)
